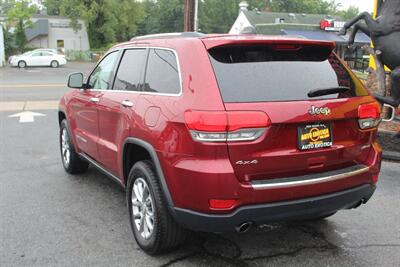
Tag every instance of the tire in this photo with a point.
(71, 161)
(165, 233)
(54, 64)
(21, 64)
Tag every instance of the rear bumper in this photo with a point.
(280, 211)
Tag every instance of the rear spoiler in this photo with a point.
(226, 40)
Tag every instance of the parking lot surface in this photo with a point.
(50, 218)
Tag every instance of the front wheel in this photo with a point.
(54, 64)
(70, 159)
(21, 64)
(153, 227)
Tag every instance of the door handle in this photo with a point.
(127, 103)
(94, 99)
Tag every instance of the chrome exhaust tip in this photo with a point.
(243, 228)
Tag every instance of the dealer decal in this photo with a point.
(315, 136)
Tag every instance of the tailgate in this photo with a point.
(309, 132)
(278, 154)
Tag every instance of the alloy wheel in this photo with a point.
(65, 148)
(142, 208)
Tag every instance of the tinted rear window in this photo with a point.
(162, 74)
(279, 73)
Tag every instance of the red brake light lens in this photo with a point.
(222, 126)
(247, 119)
(210, 121)
(287, 47)
(369, 111)
(369, 115)
(222, 203)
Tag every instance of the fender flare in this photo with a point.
(152, 152)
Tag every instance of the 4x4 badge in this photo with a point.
(246, 162)
(319, 111)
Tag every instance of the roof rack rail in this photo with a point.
(169, 35)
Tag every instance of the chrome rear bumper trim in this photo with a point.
(309, 179)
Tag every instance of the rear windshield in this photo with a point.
(279, 73)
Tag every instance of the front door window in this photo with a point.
(102, 74)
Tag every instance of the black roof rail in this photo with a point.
(169, 36)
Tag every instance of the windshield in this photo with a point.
(279, 73)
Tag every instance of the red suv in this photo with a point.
(220, 132)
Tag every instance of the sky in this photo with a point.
(363, 5)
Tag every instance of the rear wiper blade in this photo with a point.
(328, 91)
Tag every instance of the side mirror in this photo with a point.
(75, 80)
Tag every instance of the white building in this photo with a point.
(56, 32)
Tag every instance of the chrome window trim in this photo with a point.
(323, 179)
(144, 92)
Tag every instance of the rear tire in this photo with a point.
(153, 227)
(21, 64)
(54, 64)
(72, 163)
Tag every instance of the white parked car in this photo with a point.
(51, 50)
(38, 58)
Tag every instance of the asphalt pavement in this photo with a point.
(51, 218)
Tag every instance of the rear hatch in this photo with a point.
(306, 134)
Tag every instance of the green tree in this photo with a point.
(8, 39)
(305, 6)
(349, 13)
(128, 21)
(257, 4)
(6, 5)
(53, 6)
(162, 16)
(20, 16)
(217, 16)
(107, 21)
(150, 24)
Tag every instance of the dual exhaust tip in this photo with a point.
(243, 228)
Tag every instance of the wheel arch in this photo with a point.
(143, 151)
(61, 116)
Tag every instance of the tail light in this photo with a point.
(287, 47)
(221, 203)
(226, 126)
(369, 115)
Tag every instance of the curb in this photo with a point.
(383, 131)
(391, 155)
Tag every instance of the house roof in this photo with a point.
(305, 25)
(360, 38)
(276, 29)
(257, 18)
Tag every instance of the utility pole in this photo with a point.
(189, 21)
(196, 15)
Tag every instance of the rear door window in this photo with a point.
(279, 73)
(162, 74)
(130, 71)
